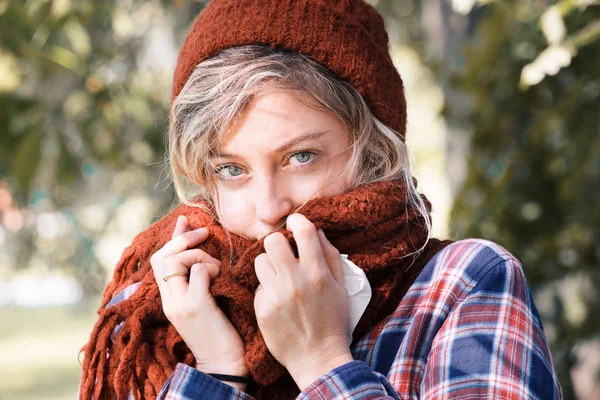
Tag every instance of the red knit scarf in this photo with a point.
(372, 224)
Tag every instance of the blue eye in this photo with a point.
(302, 157)
(234, 170)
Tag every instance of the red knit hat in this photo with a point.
(346, 36)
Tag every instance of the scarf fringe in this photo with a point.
(372, 224)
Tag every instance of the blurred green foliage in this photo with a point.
(84, 97)
(81, 88)
(533, 177)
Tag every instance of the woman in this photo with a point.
(286, 143)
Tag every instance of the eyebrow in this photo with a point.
(287, 145)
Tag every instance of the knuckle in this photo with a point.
(157, 258)
(187, 311)
(318, 280)
(183, 240)
(262, 315)
(270, 311)
(182, 312)
(296, 294)
(277, 309)
(298, 218)
(265, 314)
(197, 269)
(200, 271)
(197, 255)
(216, 268)
(306, 228)
(273, 238)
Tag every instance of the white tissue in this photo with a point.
(358, 292)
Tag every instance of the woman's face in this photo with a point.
(279, 154)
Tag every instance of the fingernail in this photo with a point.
(201, 230)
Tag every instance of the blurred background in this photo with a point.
(504, 124)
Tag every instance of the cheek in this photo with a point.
(235, 212)
(301, 189)
(337, 179)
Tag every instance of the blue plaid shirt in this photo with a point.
(466, 329)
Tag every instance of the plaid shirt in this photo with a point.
(466, 329)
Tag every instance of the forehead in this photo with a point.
(278, 115)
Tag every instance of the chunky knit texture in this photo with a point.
(346, 36)
(372, 224)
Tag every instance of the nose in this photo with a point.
(273, 203)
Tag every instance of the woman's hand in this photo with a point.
(301, 306)
(191, 308)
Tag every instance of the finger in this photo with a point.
(280, 253)
(184, 241)
(175, 285)
(200, 277)
(160, 271)
(307, 239)
(195, 256)
(265, 271)
(332, 257)
(180, 226)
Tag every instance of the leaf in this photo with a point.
(68, 168)
(26, 161)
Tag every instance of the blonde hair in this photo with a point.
(221, 88)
